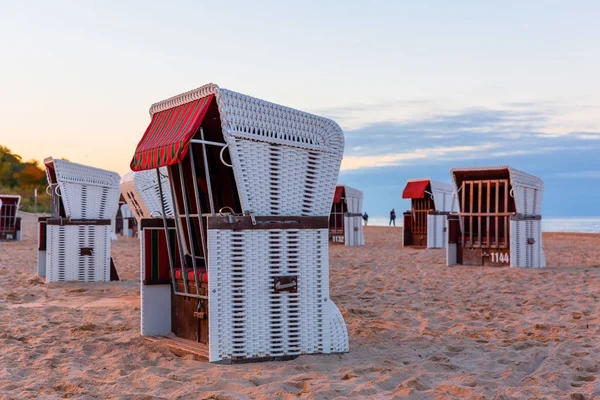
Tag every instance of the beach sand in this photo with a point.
(417, 329)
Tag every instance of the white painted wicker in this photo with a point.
(436, 231)
(141, 192)
(523, 253)
(443, 196)
(86, 192)
(353, 229)
(249, 320)
(286, 162)
(64, 261)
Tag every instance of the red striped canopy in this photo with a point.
(415, 190)
(166, 139)
(337, 196)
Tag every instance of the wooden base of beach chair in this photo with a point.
(189, 315)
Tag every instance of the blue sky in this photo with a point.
(419, 87)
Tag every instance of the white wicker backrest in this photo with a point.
(285, 161)
(354, 200)
(527, 190)
(141, 192)
(86, 192)
(443, 196)
(126, 211)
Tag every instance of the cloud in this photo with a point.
(588, 136)
(472, 134)
(388, 160)
(580, 174)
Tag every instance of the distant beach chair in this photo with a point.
(126, 224)
(345, 220)
(75, 241)
(141, 191)
(424, 225)
(499, 218)
(241, 271)
(10, 223)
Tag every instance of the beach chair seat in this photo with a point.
(189, 273)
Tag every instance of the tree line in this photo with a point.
(22, 178)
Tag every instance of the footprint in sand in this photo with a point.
(580, 380)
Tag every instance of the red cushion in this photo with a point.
(202, 274)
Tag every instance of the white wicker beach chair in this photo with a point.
(251, 183)
(129, 221)
(499, 218)
(141, 192)
(75, 242)
(424, 225)
(345, 220)
(10, 222)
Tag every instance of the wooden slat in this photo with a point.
(497, 209)
(463, 207)
(479, 201)
(487, 209)
(505, 210)
(471, 211)
(272, 222)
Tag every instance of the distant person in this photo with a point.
(366, 218)
(392, 217)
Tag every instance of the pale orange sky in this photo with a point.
(77, 78)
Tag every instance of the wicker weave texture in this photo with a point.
(353, 228)
(247, 318)
(526, 249)
(87, 192)
(141, 192)
(64, 259)
(436, 231)
(443, 196)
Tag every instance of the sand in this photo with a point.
(417, 330)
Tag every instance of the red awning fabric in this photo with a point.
(415, 190)
(166, 139)
(339, 191)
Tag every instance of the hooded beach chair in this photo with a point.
(425, 223)
(10, 223)
(241, 271)
(141, 190)
(75, 241)
(499, 220)
(128, 221)
(345, 220)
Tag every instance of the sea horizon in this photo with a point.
(550, 224)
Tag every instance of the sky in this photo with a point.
(418, 87)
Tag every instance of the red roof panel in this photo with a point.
(415, 190)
